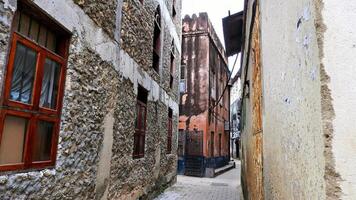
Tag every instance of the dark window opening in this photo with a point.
(172, 66)
(212, 144)
(140, 125)
(174, 12)
(220, 143)
(182, 72)
(170, 131)
(157, 40)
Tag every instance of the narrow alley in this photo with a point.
(177, 100)
(225, 187)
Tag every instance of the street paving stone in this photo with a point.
(223, 187)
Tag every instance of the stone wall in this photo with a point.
(98, 113)
(102, 12)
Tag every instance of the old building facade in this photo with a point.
(298, 139)
(204, 98)
(89, 98)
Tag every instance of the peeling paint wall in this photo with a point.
(338, 45)
(293, 145)
(94, 159)
(201, 51)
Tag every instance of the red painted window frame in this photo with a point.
(140, 131)
(33, 111)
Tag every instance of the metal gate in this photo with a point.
(194, 159)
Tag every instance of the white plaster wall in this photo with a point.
(293, 161)
(340, 64)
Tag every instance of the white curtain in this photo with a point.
(23, 74)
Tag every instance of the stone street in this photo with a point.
(225, 187)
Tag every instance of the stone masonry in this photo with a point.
(110, 54)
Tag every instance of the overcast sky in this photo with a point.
(216, 9)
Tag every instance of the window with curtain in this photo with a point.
(33, 94)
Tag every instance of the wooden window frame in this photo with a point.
(140, 132)
(33, 111)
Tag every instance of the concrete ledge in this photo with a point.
(224, 169)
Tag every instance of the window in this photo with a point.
(182, 72)
(140, 126)
(33, 93)
(213, 86)
(220, 138)
(212, 144)
(174, 12)
(182, 83)
(172, 65)
(157, 40)
(170, 131)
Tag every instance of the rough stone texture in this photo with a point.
(166, 63)
(178, 7)
(154, 172)
(99, 83)
(102, 12)
(137, 32)
(7, 9)
(90, 81)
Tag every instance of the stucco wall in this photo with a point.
(98, 114)
(293, 145)
(339, 45)
(293, 163)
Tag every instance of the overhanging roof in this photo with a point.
(232, 26)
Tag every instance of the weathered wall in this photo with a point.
(252, 132)
(99, 109)
(293, 141)
(199, 38)
(293, 160)
(337, 44)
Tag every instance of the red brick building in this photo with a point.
(204, 99)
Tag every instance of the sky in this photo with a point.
(216, 9)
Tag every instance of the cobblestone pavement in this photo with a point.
(223, 187)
